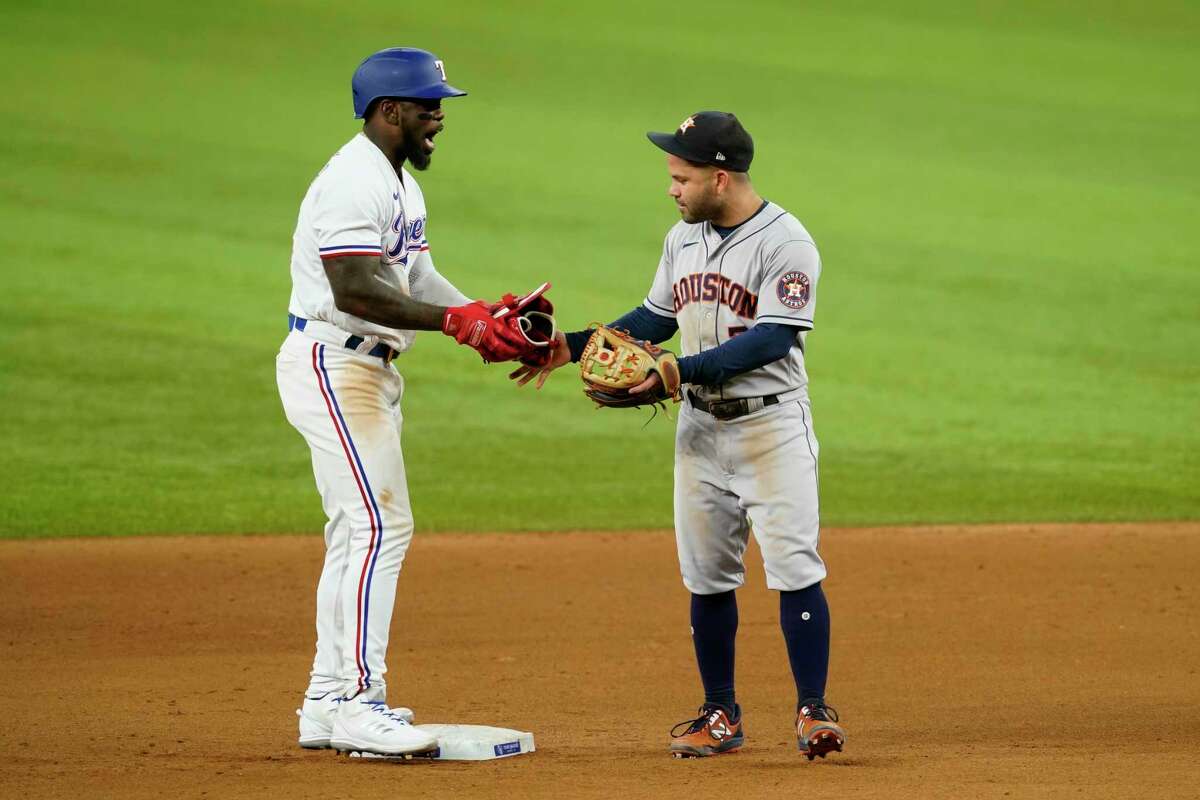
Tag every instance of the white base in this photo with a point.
(478, 742)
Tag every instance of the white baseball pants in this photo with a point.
(347, 407)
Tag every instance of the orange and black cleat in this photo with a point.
(817, 731)
(711, 733)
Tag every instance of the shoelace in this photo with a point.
(380, 707)
(820, 711)
(693, 725)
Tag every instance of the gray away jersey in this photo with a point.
(765, 271)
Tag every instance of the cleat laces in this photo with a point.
(820, 711)
(708, 716)
(381, 707)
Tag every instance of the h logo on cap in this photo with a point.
(690, 122)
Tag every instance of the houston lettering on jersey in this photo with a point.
(708, 287)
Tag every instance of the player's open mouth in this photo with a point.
(427, 142)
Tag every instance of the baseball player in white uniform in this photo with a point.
(363, 281)
(737, 278)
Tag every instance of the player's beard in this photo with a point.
(702, 208)
(414, 150)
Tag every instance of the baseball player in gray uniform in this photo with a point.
(737, 278)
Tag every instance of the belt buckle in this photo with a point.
(726, 409)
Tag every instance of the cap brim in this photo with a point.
(435, 92)
(668, 142)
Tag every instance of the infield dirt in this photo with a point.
(999, 661)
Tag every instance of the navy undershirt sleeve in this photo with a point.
(757, 347)
(641, 324)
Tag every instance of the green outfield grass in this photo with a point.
(1005, 196)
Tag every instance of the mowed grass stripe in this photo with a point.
(1004, 198)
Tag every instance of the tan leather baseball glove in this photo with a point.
(613, 363)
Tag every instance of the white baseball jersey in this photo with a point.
(357, 205)
(764, 271)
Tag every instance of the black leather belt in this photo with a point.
(731, 409)
(380, 350)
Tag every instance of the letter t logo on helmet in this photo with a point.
(400, 72)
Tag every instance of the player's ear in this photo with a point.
(389, 109)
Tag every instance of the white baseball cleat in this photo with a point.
(369, 726)
(316, 719)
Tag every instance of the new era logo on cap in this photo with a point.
(715, 138)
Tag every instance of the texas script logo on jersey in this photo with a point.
(690, 122)
(409, 238)
(794, 290)
(709, 286)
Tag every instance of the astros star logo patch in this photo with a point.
(793, 290)
(690, 122)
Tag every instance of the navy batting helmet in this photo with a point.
(399, 72)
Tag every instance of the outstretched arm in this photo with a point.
(430, 286)
(757, 347)
(640, 322)
(363, 288)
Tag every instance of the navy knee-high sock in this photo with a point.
(714, 628)
(804, 617)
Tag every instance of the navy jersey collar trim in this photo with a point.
(724, 232)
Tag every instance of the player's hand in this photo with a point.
(474, 326)
(560, 356)
(650, 386)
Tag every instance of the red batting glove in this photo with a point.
(474, 326)
(467, 323)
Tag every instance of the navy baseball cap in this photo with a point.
(709, 137)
